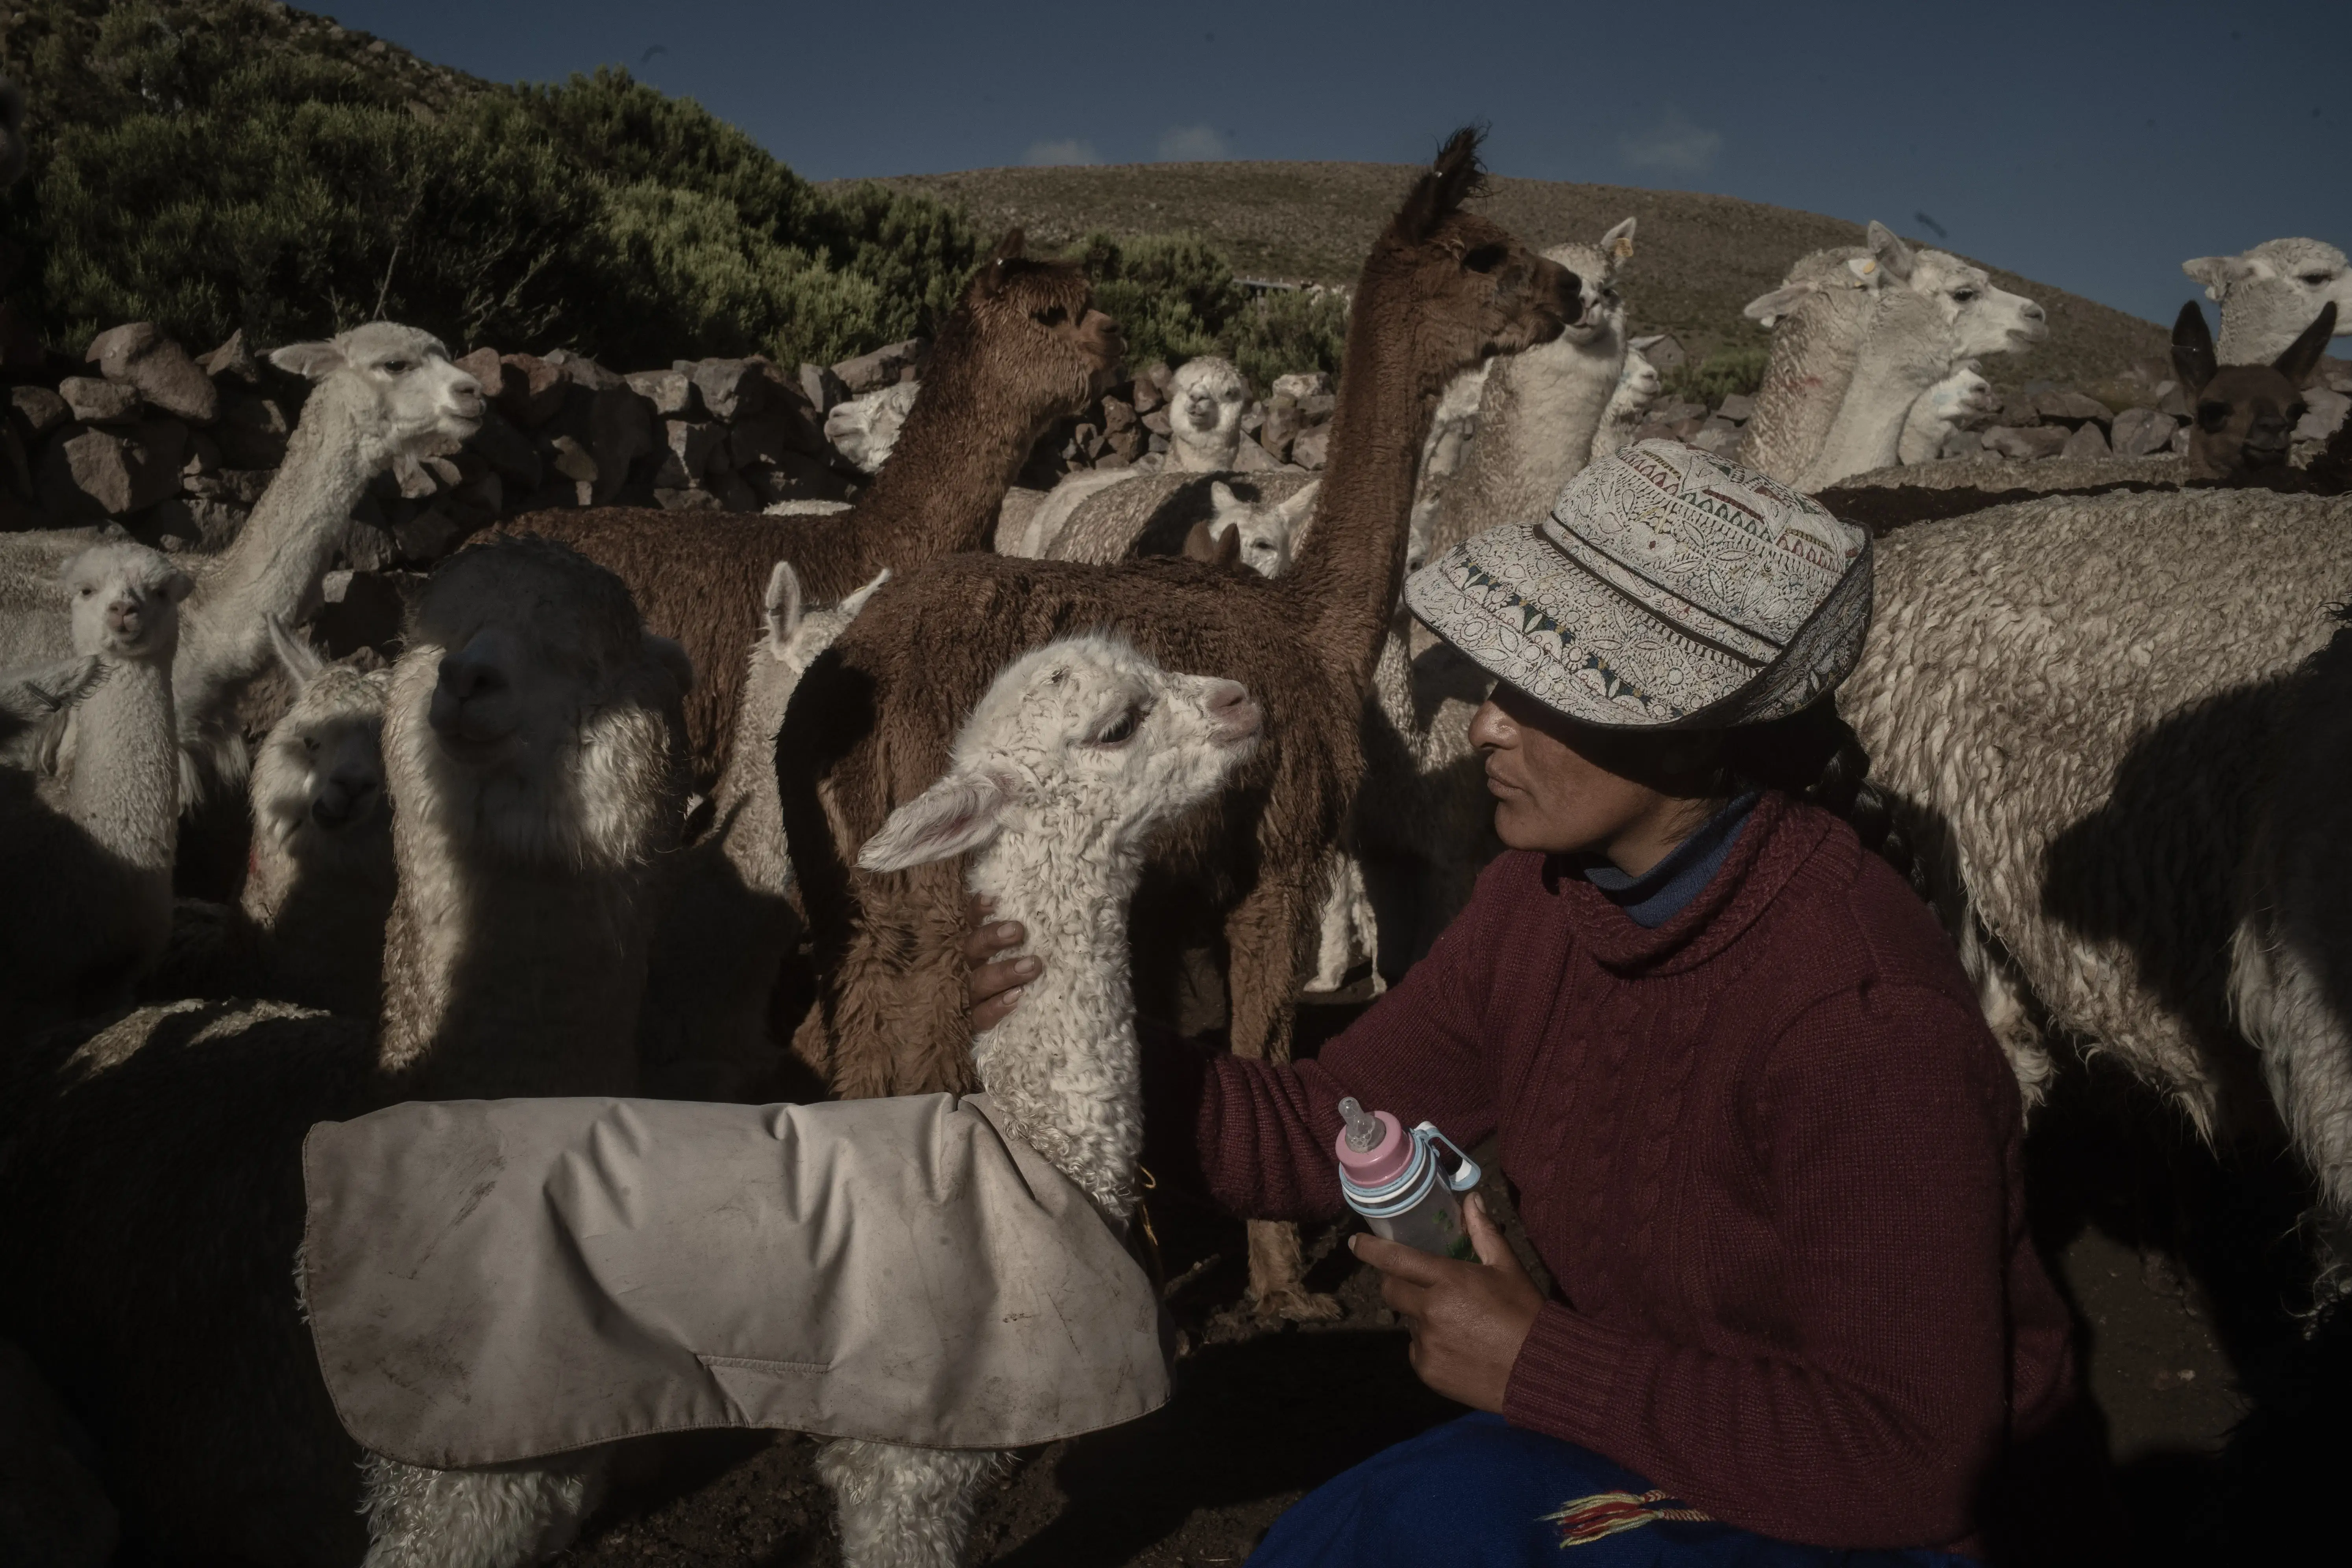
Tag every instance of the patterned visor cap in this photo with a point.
(1668, 590)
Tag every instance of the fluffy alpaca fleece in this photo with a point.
(1816, 319)
(1265, 532)
(1076, 754)
(150, 1188)
(1939, 409)
(1206, 399)
(87, 858)
(2270, 294)
(1539, 409)
(384, 396)
(2291, 955)
(2070, 697)
(728, 922)
(1155, 514)
(1442, 290)
(1024, 348)
(1638, 386)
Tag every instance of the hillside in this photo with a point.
(1699, 259)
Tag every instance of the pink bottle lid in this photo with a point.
(1381, 1163)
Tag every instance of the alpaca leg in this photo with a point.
(1271, 938)
(2001, 995)
(904, 1508)
(2282, 1002)
(504, 1517)
(1349, 931)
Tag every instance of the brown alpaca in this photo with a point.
(1024, 347)
(871, 724)
(2246, 413)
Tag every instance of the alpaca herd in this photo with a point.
(697, 809)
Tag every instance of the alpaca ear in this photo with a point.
(2218, 272)
(857, 602)
(316, 361)
(1201, 541)
(1618, 243)
(2192, 349)
(1014, 243)
(178, 585)
(2302, 356)
(782, 605)
(1769, 308)
(1438, 194)
(1886, 248)
(302, 660)
(672, 656)
(1222, 497)
(960, 813)
(1296, 509)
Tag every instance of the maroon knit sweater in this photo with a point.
(1769, 1151)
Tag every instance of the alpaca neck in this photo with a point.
(125, 789)
(1806, 375)
(1906, 353)
(1345, 576)
(748, 807)
(277, 560)
(1537, 421)
(1062, 1070)
(1203, 451)
(958, 453)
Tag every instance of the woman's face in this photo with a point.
(1562, 787)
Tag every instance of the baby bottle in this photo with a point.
(1390, 1177)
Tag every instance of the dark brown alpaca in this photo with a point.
(1024, 347)
(2246, 413)
(871, 723)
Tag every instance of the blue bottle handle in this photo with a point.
(1466, 1175)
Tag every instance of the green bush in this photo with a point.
(1723, 372)
(1175, 297)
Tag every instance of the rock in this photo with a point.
(1664, 351)
(204, 458)
(89, 472)
(689, 450)
(2178, 444)
(1146, 394)
(1311, 446)
(1720, 436)
(2062, 405)
(2020, 410)
(499, 381)
(1157, 422)
(1959, 443)
(1737, 407)
(680, 499)
(1650, 430)
(620, 431)
(581, 371)
(733, 494)
(2323, 411)
(429, 535)
(731, 388)
(96, 402)
(2173, 398)
(541, 395)
(574, 461)
(1281, 425)
(243, 486)
(2024, 445)
(15, 464)
(1126, 445)
(2087, 441)
(509, 450)
(766, 438)
(796, 476)
(871, 372)
(1678, 412)
(1318, 407)
(821, 388)
(205, 522)
(1117, 415)
(671, 391)
(233, 361)
(1302, 386)
(1155, 447)
(140, 357)
(2140, 432)
(42, 409)
(1249, 457)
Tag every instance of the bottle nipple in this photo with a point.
(1364, 1130)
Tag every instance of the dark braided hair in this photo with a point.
(1815, 755)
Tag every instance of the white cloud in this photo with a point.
(1192, 144)
(1674, 144)
(1068, 149)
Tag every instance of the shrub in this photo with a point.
(1175, 297)
(1721, 373)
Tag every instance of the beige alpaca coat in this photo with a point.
(496, 1280)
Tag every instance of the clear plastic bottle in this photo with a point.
(1390, 1177)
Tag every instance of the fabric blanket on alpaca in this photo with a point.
(495, 1280)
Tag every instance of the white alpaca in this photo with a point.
(865, 428)
(1832, 302)
(1206, 399)
(2271, 293)
(703, 1033)
(1913, 335)
(385, 396)
(1937, 410)
(1078, 752)
(1539, 410)
(1638, 386)
(87, 858)
(1271, 531)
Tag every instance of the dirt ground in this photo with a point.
(2185, 1273)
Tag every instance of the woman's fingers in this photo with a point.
(1397, 1260)
(1486, 1238)
(989, 938)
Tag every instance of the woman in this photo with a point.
(1758, 1132)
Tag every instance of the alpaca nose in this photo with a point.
(1231, 710)
(2035, 313)
(126, 617)
(464, 678)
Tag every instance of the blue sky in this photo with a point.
(2093, 148)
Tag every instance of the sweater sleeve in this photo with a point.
(1879, 1139)
(1260, 1133)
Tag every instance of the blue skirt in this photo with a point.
(1480, 1493)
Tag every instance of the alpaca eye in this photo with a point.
(1052, 316)
(397, 367)
(2295, 413)
(1122, 731)
(311, 744)
(1485, 258)
(1962, 296)
(2316, 279)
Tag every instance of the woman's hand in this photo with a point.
(994, 988)
(1468, 1320)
